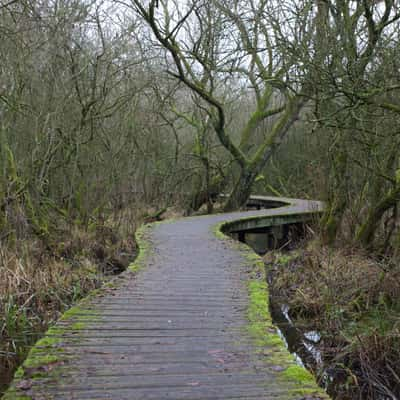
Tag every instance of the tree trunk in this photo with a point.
(338, 201)
(366, 234)
(242, 190)
(332, 220)
(206, 196)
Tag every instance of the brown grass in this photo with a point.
(40, 279)
(354, 302)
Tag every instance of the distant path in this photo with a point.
(185, 326)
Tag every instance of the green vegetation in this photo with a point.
(265, 335)
(117, 113)
(299, 374)
(38, 284)
(143, 247)
(14, 396)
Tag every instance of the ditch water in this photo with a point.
(302, 343)
(11, 359)
(305, 344)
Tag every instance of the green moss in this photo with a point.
(70, 313)
(93, 293)
(299, 374)
(298, 380)
(13, 395)
(36, 361)
(47, 341)
(76, 318)
(78, 326)
(47, 350)
(260, 324)
(258, 308)
(19, 373)
(76, 312)
(110, 285)
(261, 329)
(143, 246)
(218, 231)
(55, 331)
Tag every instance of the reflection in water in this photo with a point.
(303, 345)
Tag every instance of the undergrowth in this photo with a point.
(40, 278)
(353, 301)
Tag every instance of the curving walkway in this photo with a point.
(191, 323)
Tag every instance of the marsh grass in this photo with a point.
(39, 279)
(353, 301)
(34, 290)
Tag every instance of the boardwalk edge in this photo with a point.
(40, 365)
(261, 328)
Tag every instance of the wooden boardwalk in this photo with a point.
(191, 324)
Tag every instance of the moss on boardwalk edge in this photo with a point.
(143, 246)
(262, 330)
(44, 358)
(47, 355)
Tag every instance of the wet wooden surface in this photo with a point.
(175, 330)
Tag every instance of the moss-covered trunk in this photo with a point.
(242, 189)
(366, 233)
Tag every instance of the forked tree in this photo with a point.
(242, 45)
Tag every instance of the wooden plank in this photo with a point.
(177, 330)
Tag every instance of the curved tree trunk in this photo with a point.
(332, 220)
(242, 190)
(366, 234)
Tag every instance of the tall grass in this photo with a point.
(353, 301)
(40, 279)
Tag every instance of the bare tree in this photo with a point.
(350, 88)
(241, 46)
